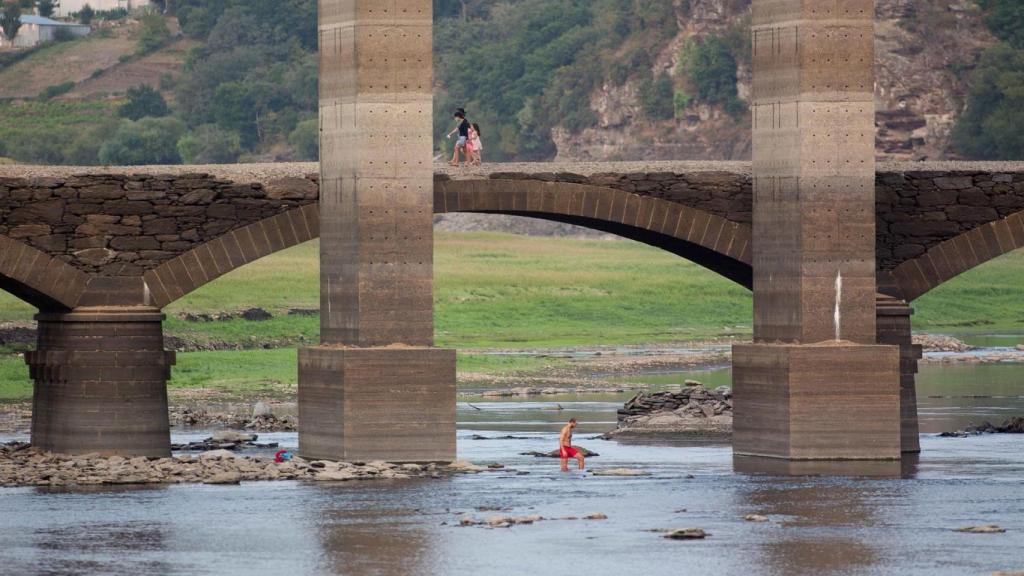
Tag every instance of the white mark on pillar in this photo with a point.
(839, 298)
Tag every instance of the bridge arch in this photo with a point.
(39, 279)
(947, 260)
(706, 239)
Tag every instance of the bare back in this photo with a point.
(565, 438)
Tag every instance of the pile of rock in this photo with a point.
(938, 343)
(224, 440)
(1011, 426)
(22, 465)
(694, 411)
(262, 419)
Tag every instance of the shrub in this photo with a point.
(63, 35)
(210, 144)
(1005, 19)
(681, 102)
(57, 90)
(711, 69)
(143, 101)
(154, 34)
(305, 139)
(657, 97)
(86, 14)
(145, 141)
(97, 73)
(990, 127)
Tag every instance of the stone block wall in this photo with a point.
(123, 225)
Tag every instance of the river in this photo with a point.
(870, 520)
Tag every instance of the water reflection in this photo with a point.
(816, 519)
(371, 541)
(906, 468)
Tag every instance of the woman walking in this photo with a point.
(462, 127)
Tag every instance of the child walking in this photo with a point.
(475, 146)
(462, 127)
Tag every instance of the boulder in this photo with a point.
(686, 534)
(986, 529)
(620, 472)
(217, 455)
(224, 478)
(755, 518)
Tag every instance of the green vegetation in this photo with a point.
(143, 100)
(146, 141)
(711, 68)
(57, 90)
(989, 127)
(154, 34)
(658, 97)
(508, 292)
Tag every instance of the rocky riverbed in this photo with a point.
(23, 465)
(1011, 426)
(694, 411)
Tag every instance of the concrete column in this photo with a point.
(894, 328)
(814, 385)
(375, 388)
(101, 382)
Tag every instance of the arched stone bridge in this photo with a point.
(148, 236)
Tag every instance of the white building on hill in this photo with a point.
(68, 7)
(37, 30)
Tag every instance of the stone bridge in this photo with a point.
(100, 251)
(75, 238)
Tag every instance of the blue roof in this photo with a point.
(39, 20)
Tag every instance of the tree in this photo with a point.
(711, 68)
(154, 33)
(45, 8)
(10, 20)
(143, 101)
(210, 144)
(657, 97)
(305, 139)
(1005, 19)
(86, 14)
(990, 127)
(145, 141)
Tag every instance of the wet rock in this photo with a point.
(686, 534)
(693, 410)
(232, 436)
(986, 529)
(335, 475)
(466, 467)
(1012, 426)
(621, 472)
(755, 518)
(596, 516)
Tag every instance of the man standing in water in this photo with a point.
(565, 449)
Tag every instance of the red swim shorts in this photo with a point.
(568, 452)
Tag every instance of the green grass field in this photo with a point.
(505, 291)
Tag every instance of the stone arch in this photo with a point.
(947, 260)
(38, 278)
(203, 264)
(706, 239)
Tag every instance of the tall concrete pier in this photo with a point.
(814, 385)
(376, 388)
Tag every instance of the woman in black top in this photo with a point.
(463, 129)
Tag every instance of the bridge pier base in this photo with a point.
(101, 382)
(361, 404)
(829, 401)
(894, 328)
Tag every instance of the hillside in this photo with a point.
(546, 79)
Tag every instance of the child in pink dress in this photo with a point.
(471, 145)
(475, 146)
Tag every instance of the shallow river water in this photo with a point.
(872, 519)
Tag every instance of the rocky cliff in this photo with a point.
(925, 51)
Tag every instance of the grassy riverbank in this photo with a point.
(504, 291)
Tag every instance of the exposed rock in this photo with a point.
(224, 478)
(596, 516)
(938, 343)
(1012, 426)
(262, 409)
(692, 411)
(986, 529)
(755, 518)
(216, 455)
(686, 534)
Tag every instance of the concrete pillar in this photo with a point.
(814, 385)
(101, 382)
(376, 388)
(894, 328)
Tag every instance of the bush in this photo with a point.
(143, 101)
(57, 90)
(63, 35)
(86, 14)
(711, 69)
(657, 97)
(97, 73)
(154, 34)
(210, 144)
(1006, 20)
(681, 102)
(990, 127)
(305, 139)
(145, 141)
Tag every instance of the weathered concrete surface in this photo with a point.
(374, 388)
(101, 383)
(796, 396)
